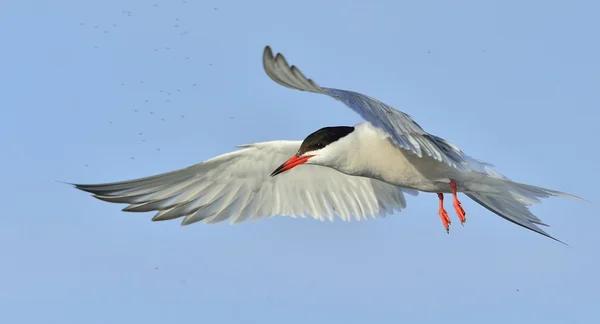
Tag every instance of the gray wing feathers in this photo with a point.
(405, 132)
(279, 71)
(402, 129)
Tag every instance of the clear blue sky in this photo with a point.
(112, 90)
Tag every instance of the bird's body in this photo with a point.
(353, 172)
(369, 152)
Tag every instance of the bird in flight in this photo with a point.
(360, 171)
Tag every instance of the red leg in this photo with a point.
(443, 213)
(459, 210)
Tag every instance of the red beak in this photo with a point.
(291, 163)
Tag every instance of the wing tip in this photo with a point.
(279, 70)
(74, 185)
(267, 53)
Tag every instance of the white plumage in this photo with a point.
(362, 172)
(237, 186)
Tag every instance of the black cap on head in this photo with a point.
(324, 137)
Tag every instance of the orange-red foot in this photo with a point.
(457, 206)
(443, 214)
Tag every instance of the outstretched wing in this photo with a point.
(403, 130)
(238, 186)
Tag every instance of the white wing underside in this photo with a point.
(238, 186)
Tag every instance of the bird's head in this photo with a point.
(322, 147)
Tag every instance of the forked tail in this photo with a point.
(513, 202)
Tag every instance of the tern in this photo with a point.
(361, 171)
